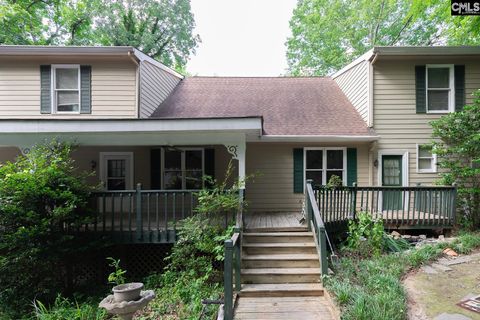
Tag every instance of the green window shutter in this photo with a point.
(351, 166)
(85, 89)
(298, 170)
(459, 74)
(420, 89)
(155, 169)
(45, 89)
(209, 163)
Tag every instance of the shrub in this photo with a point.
(365, 235)
(63, 309)
(43, 198)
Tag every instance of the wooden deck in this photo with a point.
(274, 221)
(304, 308)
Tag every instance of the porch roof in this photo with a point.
(290, 106)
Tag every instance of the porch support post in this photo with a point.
(237, 150)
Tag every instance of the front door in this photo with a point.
(392, 177)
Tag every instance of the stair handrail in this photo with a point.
(316, 224)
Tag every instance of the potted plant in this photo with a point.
(123, 291)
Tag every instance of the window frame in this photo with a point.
(54, 89)
(451, 89)
(129, 167)
(433, 159)
(182, 166)
(324, 163)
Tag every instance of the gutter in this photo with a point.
(315, 138)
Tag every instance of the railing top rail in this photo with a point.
(380, 188)
(316, 212)
(143, 191)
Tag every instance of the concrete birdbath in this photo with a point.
(127, 299)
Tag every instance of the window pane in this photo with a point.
(391, 172)
(438, 100)
(67, 101)
(314, 159)
(316, 176)
(116, 184)
(193, 179)
(66, 78)
(334, 173)
(193, 159)
(424, 164)
(438, 77)
(116, 168)
(424, 151)
(173, 180)
(173, 160)
(334, 159)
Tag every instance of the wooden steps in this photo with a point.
(282, 290)
(255, 237)
(280, 247)
(281, 275)
(281, 261)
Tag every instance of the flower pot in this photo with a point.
(127, 292)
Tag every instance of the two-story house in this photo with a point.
(137, 121)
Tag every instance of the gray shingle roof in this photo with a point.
(288, 105)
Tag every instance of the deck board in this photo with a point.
(276, 221)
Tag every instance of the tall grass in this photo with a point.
(371, 288)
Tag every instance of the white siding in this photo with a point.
(354, 84)
(114, 92)
(395, 117)
(272, 187)
(155, 86)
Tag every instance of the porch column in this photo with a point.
(237, 151)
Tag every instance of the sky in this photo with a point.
(241, 37)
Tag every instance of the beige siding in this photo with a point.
(354, 83)
(272, 188)
(114, 90)
(395, 117)
(156, 85)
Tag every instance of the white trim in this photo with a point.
(182, 165)
(324, 163)
(451, 89)
(364, 57)
(129, 176)
(405, 164)
(143, 57)
(316, 138)
(134, 125)
(370, 94)
(54, 90)
(433, 160)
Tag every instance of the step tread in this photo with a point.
(280, 245)
(281, 287)
(278, 234)
(289, 257)
(290, 271)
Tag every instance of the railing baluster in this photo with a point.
(148, 214)
(139, 220)
(157, 213)
(166, 215)
(130, 209)
(174, 214)
(121, 212)
(112, 211)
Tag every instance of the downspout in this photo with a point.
(132, 57)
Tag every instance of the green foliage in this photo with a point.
(117, 277)
(365, 235)
(371, 288)
(64, 309)
(334, 182)
(457, 146)
(162, 29)
(43, 198)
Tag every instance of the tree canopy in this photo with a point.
(163, 29)
(327, 34)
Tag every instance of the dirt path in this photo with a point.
(435, 289)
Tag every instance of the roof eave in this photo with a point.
(318, 138)
(9, 50)
(426, 51)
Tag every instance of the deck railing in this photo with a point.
(142, 215)
(316, 224)
(403, 207)
(232, 263)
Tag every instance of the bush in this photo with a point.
(64, 309)
(43, 198)
(365, 235)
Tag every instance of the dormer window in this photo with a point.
(66, 88)
(440, 86)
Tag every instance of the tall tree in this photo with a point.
(327, 34)
(163, 29)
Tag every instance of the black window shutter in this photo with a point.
(351, 166)
(298, 170)
(459, 75)
(420, 89)
(45, 89)
(155, 169)
(85, 89)
(209, 164)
